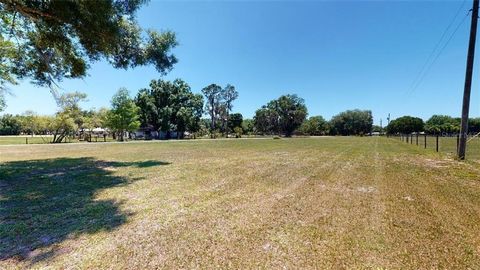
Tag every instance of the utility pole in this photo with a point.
(468, 82)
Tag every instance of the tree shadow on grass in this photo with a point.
(42, 202)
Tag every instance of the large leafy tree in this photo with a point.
(47, 41)
(10, 125)
(168, 106)
(266, 120)
(282, 115)
(405, 125)
(442, 124)
(292, 112)
(352, 122)
(124, 114)
(248, 126)
(235, 120)
(69, 116)
(315, 125)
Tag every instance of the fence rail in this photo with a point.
(446, 143)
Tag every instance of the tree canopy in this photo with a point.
(235, 120)
(352, 122)
(442, 124)
(283, 115)
(219, 103)
(47, 41)
(68, 117)
(124, 114)
(405, 125)
(170, 106)
(315, 125)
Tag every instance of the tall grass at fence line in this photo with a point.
(446, 144)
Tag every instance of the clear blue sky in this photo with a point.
(336, 55)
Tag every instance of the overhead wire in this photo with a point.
(429, 62)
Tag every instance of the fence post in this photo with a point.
(26, 140)
(437, 143)
(411, 138)
(458, 141)
(416, 139)
(425, 139)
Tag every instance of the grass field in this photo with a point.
(447, 145)
(37, 139)
(253, 203)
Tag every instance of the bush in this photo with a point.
(238, 132)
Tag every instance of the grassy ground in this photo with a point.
(448, 145)
(256, 203)
(26, 139)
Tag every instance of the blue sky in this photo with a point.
(336, 55)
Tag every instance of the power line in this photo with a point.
(427, 70)
(426, 66)
(438, 44)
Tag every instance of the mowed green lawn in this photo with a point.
(248, 203)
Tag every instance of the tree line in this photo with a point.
(172, 109)
(437, 124)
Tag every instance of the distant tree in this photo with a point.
(29, 122)
(248, 126)
(10, 125)
(405, 125)
(69, 104)
(61, 125)
(212, 95)
(168, 106)
(68, 118)
(94, 119)
(229, 95)
(219, 103)
(282, 115)
(148, 114)
(351, 122)
(376, 128)
(238, 132)
(266, 121)
(188, 116)
(235, 120)
(124, 114)
(203, 128)
(51, 40)
(315, 125)
(43, 123)
(474, 125)
(292, 112)
(442, 124)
